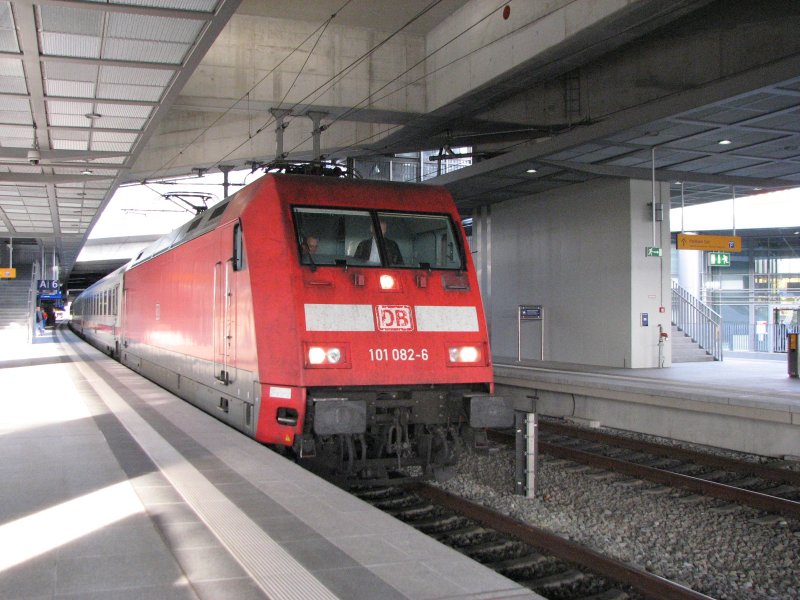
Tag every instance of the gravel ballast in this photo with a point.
(728, 552)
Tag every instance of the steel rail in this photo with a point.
(758, 500)
(729, 464)
(646, 583)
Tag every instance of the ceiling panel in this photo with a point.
(158, 29)
(145, 50)
(8, 37)
(74, 89)
(191, 5)
(123, 110)
(135, 76)
(66, 101)
(12, 76)
(68, 45)
(142, 93)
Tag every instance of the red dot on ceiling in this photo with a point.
(506, 11)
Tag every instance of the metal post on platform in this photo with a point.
(526, 427)
(519, 453)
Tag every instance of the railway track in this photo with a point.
(760, 486)
(548, 564)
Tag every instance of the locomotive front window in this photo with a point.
(328, 236)
(424, 241)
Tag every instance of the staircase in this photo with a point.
(696, 328)
(685, 350)
(15, 309)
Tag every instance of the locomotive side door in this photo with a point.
(224, 315)
(218, 317)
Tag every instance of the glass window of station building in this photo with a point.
(756, 291)
(414, 166)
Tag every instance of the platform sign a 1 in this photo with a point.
(8, 273)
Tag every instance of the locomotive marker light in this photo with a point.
(388, 282)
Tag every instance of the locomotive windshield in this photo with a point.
(332, 236)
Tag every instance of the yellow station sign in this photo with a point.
(8, 273)
(711, 243)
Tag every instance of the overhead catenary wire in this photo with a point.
(324, 87)
(431, 73)
(334, 78)
(445, 66)
(370, 97)
(246, 95)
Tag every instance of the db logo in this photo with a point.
(394, 317)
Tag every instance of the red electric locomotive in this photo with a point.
(334, 316)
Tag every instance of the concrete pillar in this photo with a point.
(651, 291)
(690, 267)
(580, 253)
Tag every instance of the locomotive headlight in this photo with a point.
(334, 355)
(464, 354)
(316, 355)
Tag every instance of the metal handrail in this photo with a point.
(697, 320)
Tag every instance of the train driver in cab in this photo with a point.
(368, 249)
(308, 248)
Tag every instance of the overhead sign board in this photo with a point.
(8, 273)
(711, 243)
(719, 259)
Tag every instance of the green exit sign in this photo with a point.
(652, 251)
(719, 259)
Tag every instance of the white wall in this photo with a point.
(580, 253)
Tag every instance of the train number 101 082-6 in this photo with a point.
(397, 354)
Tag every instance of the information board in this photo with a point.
(47, 286)
(721, 243)
(531, 313)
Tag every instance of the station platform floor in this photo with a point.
(113, 488)
(745, 402)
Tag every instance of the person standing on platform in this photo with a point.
(41, 320)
